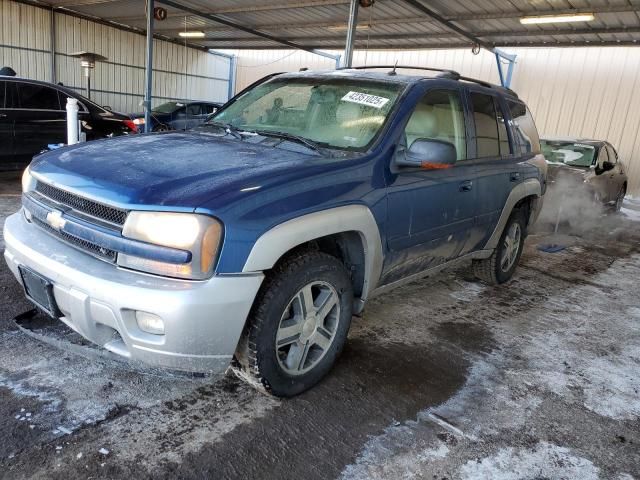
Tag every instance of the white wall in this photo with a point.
(179, 72)
(591, 92)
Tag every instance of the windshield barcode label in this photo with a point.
(365, 99)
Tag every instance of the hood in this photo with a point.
(173, 170)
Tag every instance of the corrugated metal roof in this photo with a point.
(388, 24)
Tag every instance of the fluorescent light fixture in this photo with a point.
(193, 34)
(578, 17)
(342, 28)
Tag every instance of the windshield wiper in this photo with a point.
(228, 128)
(292, 137)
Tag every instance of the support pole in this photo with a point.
(149, 68)
(72, 121)
(52, 41)
(233, 64)
(351, 33)
(505, 79)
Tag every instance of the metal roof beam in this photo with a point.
(448, 24)
(528, 13)
(445, 35)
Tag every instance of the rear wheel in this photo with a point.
(161, 128)
(499, 267)
(298, 325)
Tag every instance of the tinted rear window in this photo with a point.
(3, 88)
(525, 134)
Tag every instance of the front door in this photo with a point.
(431, 211)
(40, 120)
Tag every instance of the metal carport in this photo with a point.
(316, 25)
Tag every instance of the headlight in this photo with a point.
(28, 182)
(199, 234)
(138, 121)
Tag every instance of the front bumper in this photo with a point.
(203, 320)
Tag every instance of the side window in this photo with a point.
(613, 156)
(3, 89)
(194, 109)
(439, 116)
(603, 156)
(41, 97)
(487, 137)
(523, 129)
(503, 136)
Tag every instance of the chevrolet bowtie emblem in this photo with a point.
(55, 220)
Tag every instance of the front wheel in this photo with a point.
(499, 267)
(298, 325)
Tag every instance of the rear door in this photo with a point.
(40, 119)
(431, 212)
(6, 127)
(498, 164)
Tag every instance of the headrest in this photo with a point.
(423, 122)
(347, 112)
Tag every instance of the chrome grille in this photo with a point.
(92, 208)
(88, 247)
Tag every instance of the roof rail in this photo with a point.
(451, 73)
(444, 73)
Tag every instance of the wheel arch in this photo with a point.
(527, 194)
(349, 233)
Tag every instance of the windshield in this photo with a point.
(335, 113)
(168, 107)
(569, 153)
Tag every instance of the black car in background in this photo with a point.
(177, 115)
(578, 166)
(33, 115)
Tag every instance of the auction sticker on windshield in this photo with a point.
(365, 99)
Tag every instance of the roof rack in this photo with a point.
(444, 73)
(447, 73)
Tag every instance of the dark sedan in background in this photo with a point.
(177, 115)
(33, 115)
(588, 165)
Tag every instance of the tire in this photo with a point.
(494, 270)
(287, 346)
(161, 128)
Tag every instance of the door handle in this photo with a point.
(466, 186)
(514, 176)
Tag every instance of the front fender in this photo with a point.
(273, 244)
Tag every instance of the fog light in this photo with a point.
(150, 323)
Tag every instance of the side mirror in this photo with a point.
(107, 107)
(606, 166)
(428, 154)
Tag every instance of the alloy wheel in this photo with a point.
(511, 247)
(307, 327)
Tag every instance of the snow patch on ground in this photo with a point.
(582, 345)
(543, 461)
(469, 291)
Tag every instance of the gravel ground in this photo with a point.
(446, 378)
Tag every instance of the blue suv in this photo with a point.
(255, 238)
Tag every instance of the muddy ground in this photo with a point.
(446, 378)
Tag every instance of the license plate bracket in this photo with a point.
(39, 290)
